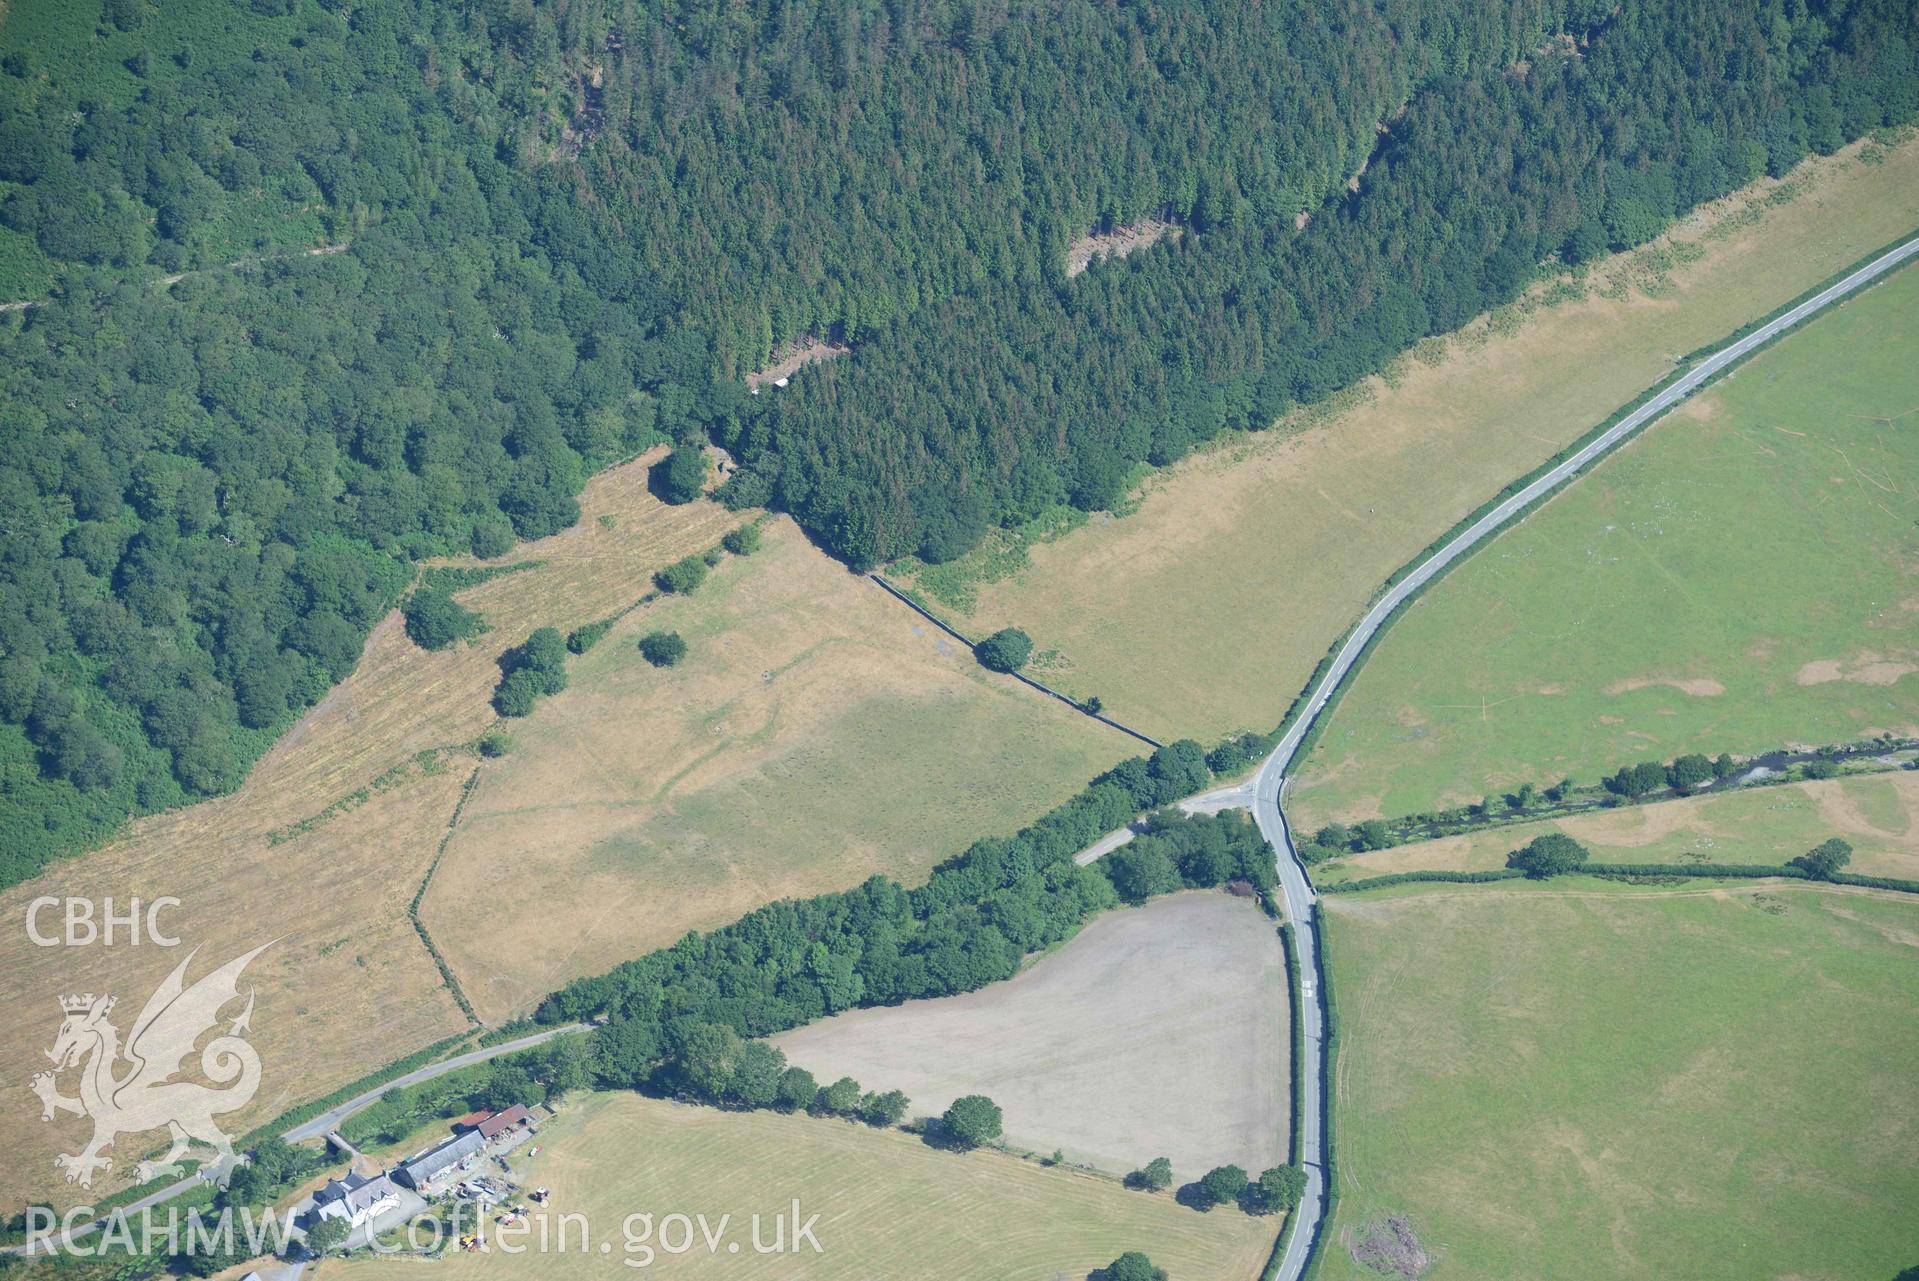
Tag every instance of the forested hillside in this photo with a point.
(564, 229)
(212, 490)
(1029, 391)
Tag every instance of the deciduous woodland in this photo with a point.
(565, 231)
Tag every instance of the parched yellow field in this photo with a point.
(1207, 609)
(888, 1205)
(1878, 814)
(861, 715)
(816, 734)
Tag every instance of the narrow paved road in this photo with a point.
(1271, 781)
(331, 1119)
(313, 1129)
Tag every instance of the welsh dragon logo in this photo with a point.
(130, 1089)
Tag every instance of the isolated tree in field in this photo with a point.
(797, 1089)
(972, 1120)
(517, 694)
(1825, 858)
(530, 671)
(545, 653)
(1006, 650)
(1092, 705)
(743, 541)
(1274, 1190)
(1132, 1266)
(1222, 1184)
(683, 577)
(839, 1098)
(1155, 1176)
(327, 1236)
(1553, 854)
(662, 649)
(680, 477)
(435, 620)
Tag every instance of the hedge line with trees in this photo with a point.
(969, 925)
(1629, 785)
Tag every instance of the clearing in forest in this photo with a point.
(1206, 609)
(1877, 814)
(1579, 1080)
(1741, 577)
(1117, 243)
(888, 1205)
(1158, 1031)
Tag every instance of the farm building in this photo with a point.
(455, 1153)
(355, 1198)
(491, 1125)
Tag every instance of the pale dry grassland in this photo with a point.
(816, 734)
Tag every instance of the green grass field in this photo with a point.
(1745, 574)
(1207, 607)
(1877, 814)
(1606, 1082)
(889, 1206)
